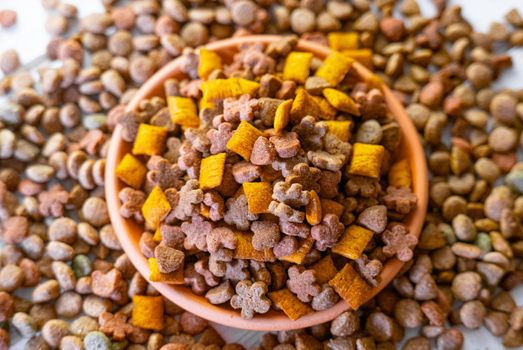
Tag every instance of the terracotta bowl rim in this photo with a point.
(272, 321)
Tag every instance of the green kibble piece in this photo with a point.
(82, 266)
(448, 232)
(483, 242)
(97, 341)
(121, 345)
(514, 180)
(95, 121)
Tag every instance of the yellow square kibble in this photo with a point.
(400, 174)
(334, 68)
(281, 117)
(245, 250)
(243, 139)
(304, 104)
(155, 208)
(353, 242)
(231, 87)
(289, 303)
(176, 277)
(326, 111)
(157, 237)
(351, 287)
(325, 270)
(211, 171)
(259, 196)
(363, 56)
(328, 206)
(183, 111)
(339, 41)
(340, 128)
(150, 140)
(297, 66)
(148, 312)
(366, 160)
(299, 256)
(208, 62)
(341, 101)
(131, 171)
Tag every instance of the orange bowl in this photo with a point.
(129, 232)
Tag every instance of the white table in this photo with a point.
(29, 38)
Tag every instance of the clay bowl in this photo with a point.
(129, 232)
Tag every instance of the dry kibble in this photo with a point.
(9, 61)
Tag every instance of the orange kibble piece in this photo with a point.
(259, 196)
(334, 68)
(148, 312)
(155, 275)
(297, 66)
(245, 250)
(231, 87)
(341, 101)
(289, 303)
(328, 206)
(366, 160)
(211, 171)
(351, 287)
(150, 140)
(353, 242)
(157, 237)
(208, 62)
(339, 41)
(281, 117)
(131, 171)
(400, 174)
(325, 270)
(243, 139)
(304, 104)
(155, 208)
(326, 111)
(299, 256)
(183, 111)
(340, 128)
(363, 56)
(313, 212)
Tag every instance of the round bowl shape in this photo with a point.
(128, 231)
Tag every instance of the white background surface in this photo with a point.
(29, 38)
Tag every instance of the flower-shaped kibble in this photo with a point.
(369, 269)
(132, 202)
(327, 233)
(400, 200)
(303, 283)
(236, 110)
(196, 232)
(52, 202)
(308, 177)
(250, 298)
(219, 137)
(216, 205)
(399, 242)
(290, 194)
(221, 237)
(238, 213)
(115, 326)
(166, 175)
(190, 196)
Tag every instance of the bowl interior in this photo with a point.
(129, 232)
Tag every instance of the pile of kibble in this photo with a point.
(64, 280)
